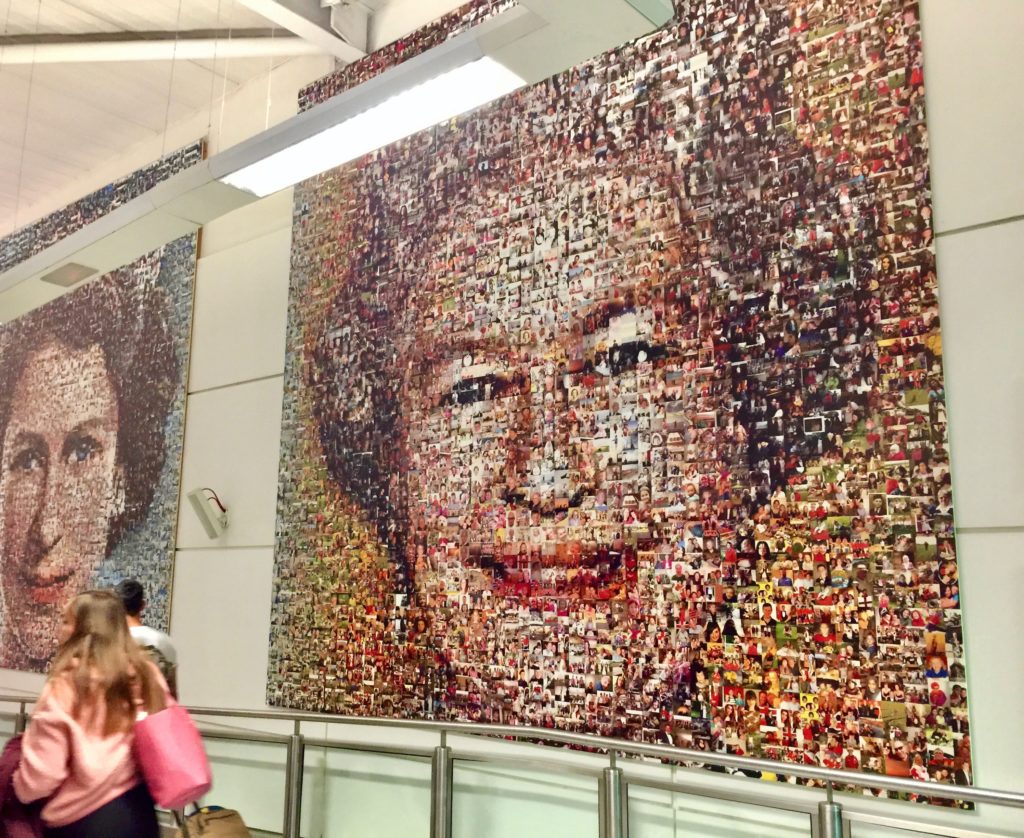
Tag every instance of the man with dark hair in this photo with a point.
(157, 643)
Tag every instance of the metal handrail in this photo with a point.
(626, 746)
(613, 799)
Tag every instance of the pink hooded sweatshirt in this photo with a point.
(70, 760)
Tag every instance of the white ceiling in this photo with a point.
(63, 120)
(69, 17)
(66, 127)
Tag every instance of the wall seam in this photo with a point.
(255, 380)
(224, 547)
(992, 529)
(983, 225)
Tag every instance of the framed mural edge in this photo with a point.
(31, 239)
(92, 415)
(617, 406)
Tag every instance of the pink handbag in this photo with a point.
(170, 754)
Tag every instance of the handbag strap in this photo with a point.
(182, 819)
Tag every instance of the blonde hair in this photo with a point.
(104, 665)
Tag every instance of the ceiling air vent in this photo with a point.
(69, 274)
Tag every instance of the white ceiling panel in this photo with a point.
(240, 70)
(90, 16)
(64, 166)
(62, 121)
(57, 93)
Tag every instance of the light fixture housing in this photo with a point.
(523, 45)
(430, 102)
(451, 79)
(208, 509)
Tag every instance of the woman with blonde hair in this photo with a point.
(77, 750)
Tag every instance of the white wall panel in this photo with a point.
(973, 67)
(241, 310)
(232, 437)
(992, 580)
(265, 101)
(981, 294)
(249, 222)
(373, 794)
(400, 17)
(503, 802)
(221, 608)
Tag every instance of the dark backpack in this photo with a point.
(167, 669)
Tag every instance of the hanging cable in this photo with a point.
(213, 82)
(28, 110)
(224, 87)
(170, 81)
(214, 497)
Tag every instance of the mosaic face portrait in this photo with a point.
(88, 386)
(617, 406)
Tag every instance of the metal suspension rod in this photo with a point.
(441, 774)
(614, 815)
(293, 784)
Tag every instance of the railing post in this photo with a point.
(830, 817)
(293, 783)
(441, 773)
(21, 720)
(613, 819)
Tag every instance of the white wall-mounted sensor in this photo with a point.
(212, 514)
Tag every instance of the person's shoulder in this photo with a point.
(59, 693)
(148, 636)
(145, 634)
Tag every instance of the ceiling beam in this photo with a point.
(399, 18)
(309, 20)
(136, 35)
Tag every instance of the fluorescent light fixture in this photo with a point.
(414, 109)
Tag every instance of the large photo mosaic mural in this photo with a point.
(92, 403)
(617, 406)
